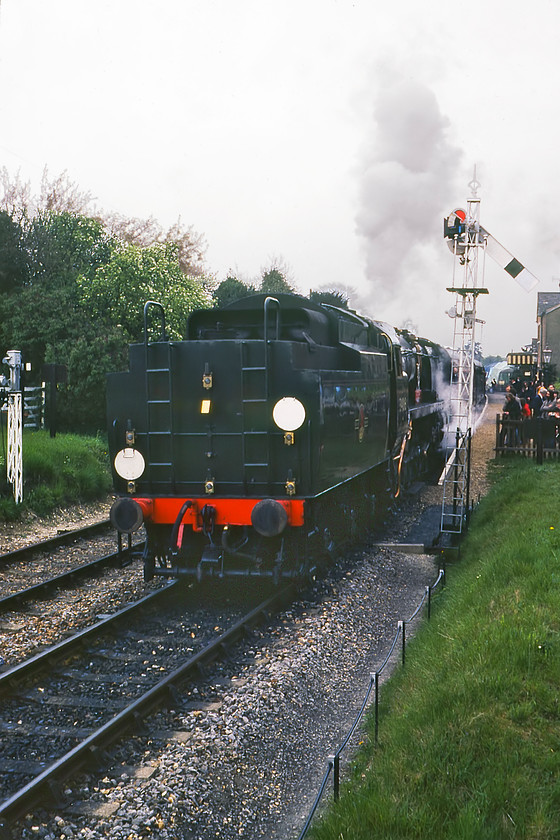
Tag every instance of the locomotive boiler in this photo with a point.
(264, 438)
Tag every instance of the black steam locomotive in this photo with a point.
(260, 441)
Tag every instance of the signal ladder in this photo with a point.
(466, 238)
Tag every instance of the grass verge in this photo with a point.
(67, 469)
(469, 737)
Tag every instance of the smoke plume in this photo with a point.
(408, 177)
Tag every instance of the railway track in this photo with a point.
(60, 570)
(64, 706)
(62, 538)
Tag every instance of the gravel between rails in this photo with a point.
(24, 632)
(252, 739)
(31, 528)
(34, 624)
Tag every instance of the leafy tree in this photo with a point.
(334, 297)
(74, 284)
(274, 283)
(56, 195)
(62, 246)
(59, 195)
(43, 312)
(117, 291)
(230, 290)
(13, 265)
(89, 357)
(190, 246)
(276, 278)
(113, 298)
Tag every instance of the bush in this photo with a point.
(67, 469)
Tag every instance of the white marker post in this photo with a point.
(14, 464)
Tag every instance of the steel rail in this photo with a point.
(25, 669)
(54, 542)
(43, 788)
(38, 589)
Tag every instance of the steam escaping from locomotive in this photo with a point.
(408, 175)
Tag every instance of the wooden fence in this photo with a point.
(531, 437)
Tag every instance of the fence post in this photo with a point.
(540, 444)
(429, 594)
(402, 627)
(376, 702)
(334, 761)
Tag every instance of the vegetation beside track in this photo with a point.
(64, 470)
(469, 732)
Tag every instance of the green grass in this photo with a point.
(67, 469)
(469, 734)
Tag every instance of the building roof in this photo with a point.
(546, 300)
(550, 310)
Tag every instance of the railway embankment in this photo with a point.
(469, 736)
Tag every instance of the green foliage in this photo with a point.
(67, 469)
(274, 282)
(74, 292)
(44, 314)
(190, 246)
(230, 290)
(469, 731)
(116, 292)
(60, 247)
(13, 265)
(74, 285)
(333, 297)
(81, 404)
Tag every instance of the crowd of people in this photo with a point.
(529, 399)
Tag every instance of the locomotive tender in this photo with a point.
(256, 444)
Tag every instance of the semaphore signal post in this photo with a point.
(466, 240)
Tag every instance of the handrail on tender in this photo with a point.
(159, 306)
(268, 302)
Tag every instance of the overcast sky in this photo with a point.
(332, 134)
